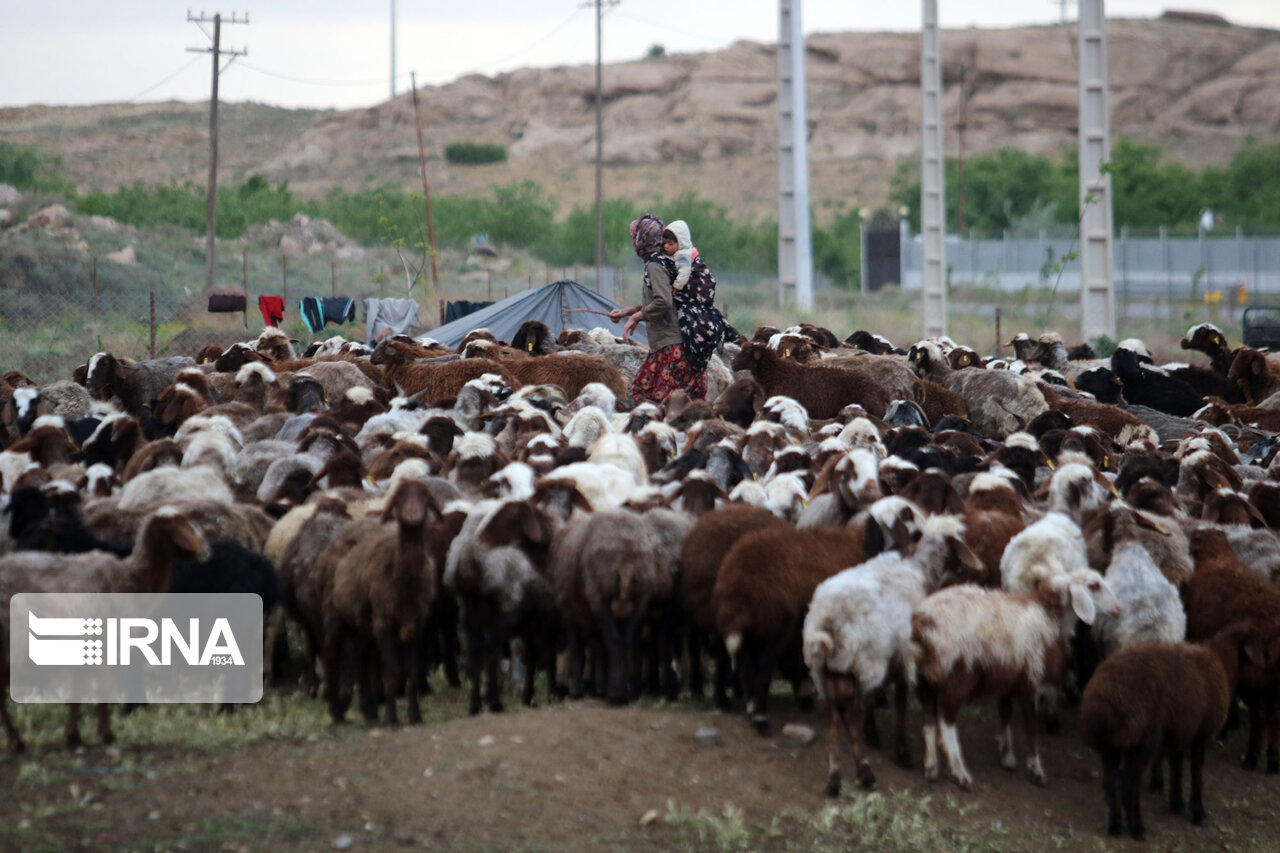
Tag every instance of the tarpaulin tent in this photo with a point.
(550, 304)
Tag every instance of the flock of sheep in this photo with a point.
(842, 514)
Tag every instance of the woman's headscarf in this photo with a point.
(646, 236)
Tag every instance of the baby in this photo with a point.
(677, 243)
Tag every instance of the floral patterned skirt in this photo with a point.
(665, 371)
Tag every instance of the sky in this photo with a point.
(336, 53)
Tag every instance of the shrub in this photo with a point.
(475, 153)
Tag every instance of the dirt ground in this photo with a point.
(573, 776)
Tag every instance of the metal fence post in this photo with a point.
(95, 288)
(1168, 267)
(153, 324)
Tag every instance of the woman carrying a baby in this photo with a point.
(684, 326)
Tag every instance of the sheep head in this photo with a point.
(1226, 506)
(411, 504)
(1085, 590)
(1205, 338)
(926, 360)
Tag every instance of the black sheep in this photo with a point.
(1146, 387)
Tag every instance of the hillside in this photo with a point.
(707, 121)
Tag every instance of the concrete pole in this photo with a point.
(933, 202)
(1097, 289)
(795, 247)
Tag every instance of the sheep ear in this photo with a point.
(968, 559)
(873, 542)
(825, 478)
(1082, 603)
(955, 506)
(902, 539)
(1257, 366)
(1255, 651)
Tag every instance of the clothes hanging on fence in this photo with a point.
(226, 303)
(384, 317)
(317, 311)
(461, 308)
(272, 308)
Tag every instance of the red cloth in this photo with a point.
(272, 308)
(663, 372)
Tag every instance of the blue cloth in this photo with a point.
(317, 312)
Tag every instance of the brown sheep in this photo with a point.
(713, 536)
(762, 592)
(822, 390)
(571, 371)
(1221, 593)
(439, 381)
(379, 594)
(1156, 699)
(1257, 376)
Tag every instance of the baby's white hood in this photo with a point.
(680, 228)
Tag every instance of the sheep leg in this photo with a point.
(902, 753)
(494, 644)
(417, 680)
(1197, 781)
(870, 733)
(833, 742)
(73, 726)
(577, 663)
(1175, 782)
(1273, 734)
(597, 665)
(1254, 747)
(693, 648)
(332, 688)
(368, 684)
(1111, 791)
(531, 649)
(389, 652)
(951, 746)
(447, 631)
(104, 724)
(1004, 739)
(724, 668)
(15, 740)
(1032, 723)
(928, 695)
(669, 652)
(308, 679)
(1131, 780)
(765, 661)
(617, 660)
(851, 711)
(274, 622)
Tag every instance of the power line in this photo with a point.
(151, 89)
(533, 43)
(336, 83)
(657, 26)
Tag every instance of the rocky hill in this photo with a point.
(707, 122)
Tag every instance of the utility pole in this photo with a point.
(600, 6)
(933, 205)
(393, 50)
(599, 144)
(1097, 289)
(795, 246)
(211, 206)
(426, 192)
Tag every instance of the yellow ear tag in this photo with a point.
(786, 353)
(1159, 527)
(1112, 487)
(529, 346)
(1049, 462)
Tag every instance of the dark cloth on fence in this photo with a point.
(461, 308)
(226, 303)
(317, 311)
(664, 371)
(389, 316)
(702, 327)
(272, 308)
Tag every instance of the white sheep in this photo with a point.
(968, 642)
(166, 485)
(1052, 546)
(858, 630)
(1151, 609)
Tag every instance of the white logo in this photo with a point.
(59, 649)
(125, 636)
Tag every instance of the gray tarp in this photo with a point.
(547, 304)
